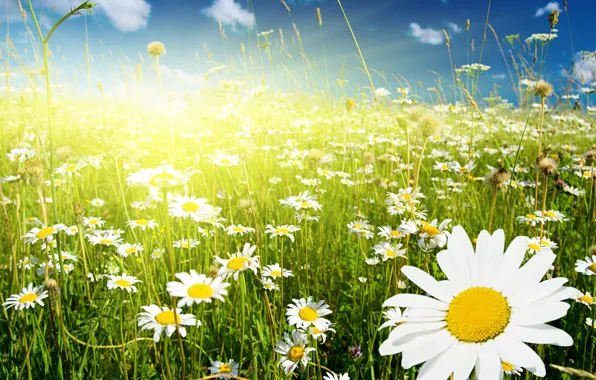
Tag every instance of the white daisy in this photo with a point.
(93, 222)
(587, 266)
(142, 224)
(334, 376)
(393, 318)
(229, 368)
(305, 312)
(197, 209)
(106, 238)
(285, 230)
(196, 288)
(128, 249)
(238, 229)
(483, 313)
(186, 243)
(238, 262)
(268, 284)
(123, 282)
(276, 271)
(45, 234)
(162, 319)
(389, 251)
(293, 350)
(586, 299)
(27, 298)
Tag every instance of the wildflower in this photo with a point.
(43, 234)
(276, 271)
(142, 224)
(27, 298)
(239, 262)
(268, 284)
(372, 261)
(334, 376)
(393, 318)
(224, 159)
(106, 238)
(551, 216)
(531, 219)
(591, 322)
(302, 201)
(586, 299)
(158, 178)
(183, 206)
(229, 368)
(543, 89)
(389, 251)
(294, 351)
(389, 233)
(285, 230)
(238, 229)
(123, 282)
(587, 266)
(355, 352)
(196, 288)
(127, 249)
(162, 319)
(304, 313)
(157, 253)
(483, 313)
(186, 243)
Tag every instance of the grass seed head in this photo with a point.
(543, 89)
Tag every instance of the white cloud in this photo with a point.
(125, 15)
(454, 27)
(426, 35)
(230, 13)
(182, 76)
(499, 76)
(584, 70)
(552, 6)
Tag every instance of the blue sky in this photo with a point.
(402, 37)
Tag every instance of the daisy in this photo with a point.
(186, 243)
(157, 253)
(127, 249)
(293, 350)
(511, 369)
(104, 238)
(93, 222)
(372, 261)
(586, 299)
(238, 229)
(97, 202)
(301, 202)
(591, 322)
(319, 334)
(27, 298)
(551, 216)
(389, 251)
(27, 262)
(142, 224)
(158, 178)
(183, 206)
(531, 219)
(285, 230)
(389, 233)
(71, 231)
(483, 314)
(534, 246)
(162, 318)
(268, 284)
(334, 376)
(45, 234)
(123, 282)
(587, 267)
(229, 368)
(393, 318)
(276, 271)
(354, 227)
(305, 312)
(196, 288)
(224, 159)
(238, 262)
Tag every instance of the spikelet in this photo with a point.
(319, 17)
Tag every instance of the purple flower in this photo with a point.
(355, 352)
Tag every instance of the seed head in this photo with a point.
(156, 48)
(592, 250)
(369, 157)
(244, 203)
(590, 156)
(543, 89)
(497, 178)
(467, 25)
(350, 103)
(315, 154)
(547, 166)
(429, 126)
(553, 18)
(53, 289)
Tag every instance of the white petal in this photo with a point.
(455, 267)
(540, 334)
(425, 351)
(562, 294)
(427, 283)
(415, 301)
(489, 365)
(466, 361)
(389, 347)
(539, 312)
(518, 353)
(512, 259)
(460, 243)
(530, 273)
(441, 366)
(535, 292)
(409, 328)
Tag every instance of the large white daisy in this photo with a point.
(196, 288)
(162, 319)
(305, 312)
(484, 313)
(238, 262)
(27, 298)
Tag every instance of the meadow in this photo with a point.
(253, 232)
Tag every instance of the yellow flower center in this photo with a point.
(225, 368)
(167, 318)
(507, 366)
(282, 231)
(316, 330)
(238, 229)
(534, 247)
(28, 298)
(531, 216)
(105, 241)
(296, 353)
(477, 315)
(130, 250)
(394, 233)
(142, 222)
(444, 167)
(161, 179)
(308, 314)
(200, 291)
(276, 273)
(549, 214)
(389, 253)
(592, 267)
(70, 168)
(587, 299)
(122, 282)
(190, 207)
(304, 204)
(44, 233)
(406, 196)
(93, 221)
(237, 263)
(430, 230)
(225, 161)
